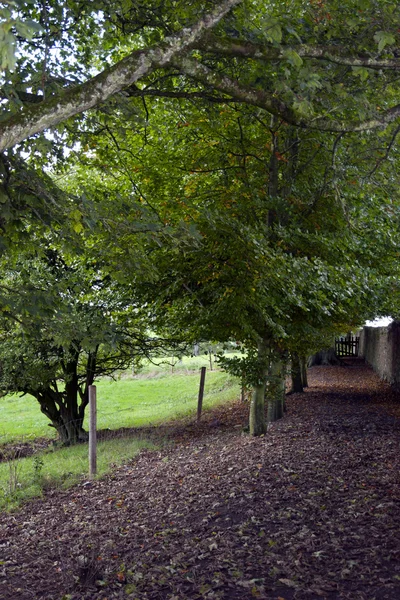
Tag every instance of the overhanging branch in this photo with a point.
(231, 87)
(135, 92)
(77, 99)
(276, 107)
(335, 54)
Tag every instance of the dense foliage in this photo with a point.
(70, 324)
(234, 166)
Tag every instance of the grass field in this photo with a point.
(153, 397)
(149, 401)
(127, 402)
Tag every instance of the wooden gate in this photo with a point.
(347, 346)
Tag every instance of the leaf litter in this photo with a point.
(310, 510)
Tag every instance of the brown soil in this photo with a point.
(23, 449)
(311, 510)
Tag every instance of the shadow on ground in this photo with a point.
(311, 510)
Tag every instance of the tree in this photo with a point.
(74, 99)
(267, 235)
(85, 325)
(282, 188)
(346, 50)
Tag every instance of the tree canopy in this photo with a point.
(70, 324)
(322, 65)
(233, 164)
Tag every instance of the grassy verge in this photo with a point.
(152, 398)
(151, 401)
(27, 478)
(173, 365)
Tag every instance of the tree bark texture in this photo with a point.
(257, 422)
(303, 367)
(276, 389)
(296, 374)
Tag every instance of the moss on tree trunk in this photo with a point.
(257, 423)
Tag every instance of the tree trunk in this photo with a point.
(243, 391)
(303, 368)
(63, 417)
(276, 389)
(70, 430)
(257, 422)
(297, 376)
(273, 172)
(62, 407)
(324, 357)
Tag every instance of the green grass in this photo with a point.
(21, 419)
(155, 396)
(139, 402)
(126, 402)
(173, 364)
(26, 478)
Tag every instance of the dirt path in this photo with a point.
(311, 510)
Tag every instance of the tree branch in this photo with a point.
(385, 156)
(335, 54)
(135, 92)
(75, 100)
(232, 88)
(276, 107)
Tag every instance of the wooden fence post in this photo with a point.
(92, 432)
(201, 392)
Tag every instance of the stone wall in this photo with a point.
(380, 346)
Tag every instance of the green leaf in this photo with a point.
(383, 38)
(28, 28)
(75, 215)
(7, 49)
(272, 31)
(293, 58)
(292, 31)
(303, 107)
(352, 23)
(77, 227)
(361, 72)
(3, 196)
